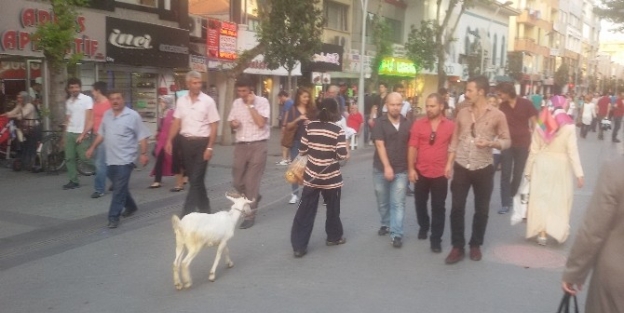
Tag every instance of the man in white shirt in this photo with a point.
(78, 124)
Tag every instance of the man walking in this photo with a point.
(521, 119)
(391, 136)
(604, 108)
(479, 128)
(250, 118)
(285, 105)
(196, 119)
(100, 106)
(78, 124)
(122, 131)
(618, 112)
(427, 156)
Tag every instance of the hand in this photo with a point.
(89, 153)
(236, 124)
(80, 138)
(250, 98)
(413, 176)
(207, 155)
(144, 159)
(580, 182)
(448, 171)
(389, 173)
(168, 148)
(303, 117)
(569, 288)
(483, 143)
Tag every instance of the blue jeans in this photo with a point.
(391, 200)
(100, 168)
(120, 176)
(294, 152)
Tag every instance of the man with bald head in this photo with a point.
(334, 92)
(391, 135)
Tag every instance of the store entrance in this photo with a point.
(19, 74)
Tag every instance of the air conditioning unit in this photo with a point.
(195, 26)
(340, 40)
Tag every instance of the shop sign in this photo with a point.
(222, 40)
(141, 44)
(19, 23)
(397, 67)
(329, 59)
(319, 78)
(17, 70)
(198, 63)
(258, 67)
(451, 69)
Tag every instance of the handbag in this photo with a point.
(564, 306)
(296, 169)
(289, 134)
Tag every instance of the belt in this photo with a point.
(195, 138)
(250, 142)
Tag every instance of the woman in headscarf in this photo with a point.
(553, 159)
(26, 113)
(166, 165)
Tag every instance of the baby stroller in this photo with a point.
(8, 142)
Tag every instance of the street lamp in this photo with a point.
(364, 4)
(499, 7)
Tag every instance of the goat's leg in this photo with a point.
(176, 264)
(192, 252)
(222, 245)
(230, 264)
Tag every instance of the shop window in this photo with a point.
(147, 3)
(336, 15)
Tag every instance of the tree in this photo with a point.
(612, 11)
(290, 32)
(55, 39)
(420, 46)
(562, 76)
(381, 35)
(514, 65)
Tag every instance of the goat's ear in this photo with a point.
(249, 201)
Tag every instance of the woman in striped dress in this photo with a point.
(324, 143)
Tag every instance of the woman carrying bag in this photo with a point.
(295, 121)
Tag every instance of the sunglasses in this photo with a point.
(432, 138)
(472, 130)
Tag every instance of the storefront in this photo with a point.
(22, 66)
(141, 63)
(329, 59)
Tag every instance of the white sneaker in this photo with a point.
(283, 162)
(293, 199)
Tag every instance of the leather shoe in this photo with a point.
(475, 253)
(456, 255)
(422, 234)
(300, 253)
(436, 248)
(127, 213)
(383, 230)
(113, 224)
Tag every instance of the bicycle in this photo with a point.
(52, 155)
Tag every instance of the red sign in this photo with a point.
(222, 41)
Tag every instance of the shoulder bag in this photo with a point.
(289, 133)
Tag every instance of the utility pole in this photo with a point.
(364, 4)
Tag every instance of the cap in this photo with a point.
(38, 80)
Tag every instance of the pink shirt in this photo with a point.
(249, 131)
(98, 112)
(196, 117)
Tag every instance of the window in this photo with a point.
(503, 49)
(396, 30)
(147, 3)
(336, 15)
(494, 52)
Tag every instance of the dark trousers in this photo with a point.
(120, 176)
(438, 187)
(482, 182)
(584, 130)
(594, 124)
(158, 168)
(617, 124)
(248, 168)
(513, 161)
(600, 130)
(195, 166)
(306, 213)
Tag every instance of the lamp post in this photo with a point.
(364, 4)
(499, 7)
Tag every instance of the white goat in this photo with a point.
(197, 230)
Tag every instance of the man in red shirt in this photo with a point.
(355, 118)
(618, 113)
(604, 106)
(100, 105)
(427, 156)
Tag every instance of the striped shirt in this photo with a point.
(325, 144)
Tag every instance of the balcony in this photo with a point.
(553, 4)
(534, 19)
(526, 45)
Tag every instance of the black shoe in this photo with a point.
(396, 242)
(127, 213)
(70, 185)
(383, 230)
(113, 224)
(110, 188)
(300, 253)
(616, 140)
(96, 195)
(436, 248)
(247, 224)
(422, 234)
(409, 192)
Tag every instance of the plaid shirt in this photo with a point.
(249, 130)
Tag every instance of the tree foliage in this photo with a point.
(514, 65)
(421, 45)
(612, 11)
(562, 76)
(381, 35)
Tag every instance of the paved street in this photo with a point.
(56, 255)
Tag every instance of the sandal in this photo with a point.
(337, 242)
(177, 189)
(154, 186)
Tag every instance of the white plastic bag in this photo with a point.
(520, 202)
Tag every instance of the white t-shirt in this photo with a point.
(76, 108)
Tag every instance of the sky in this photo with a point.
(605, 34)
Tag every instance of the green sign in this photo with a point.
(397, 67)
